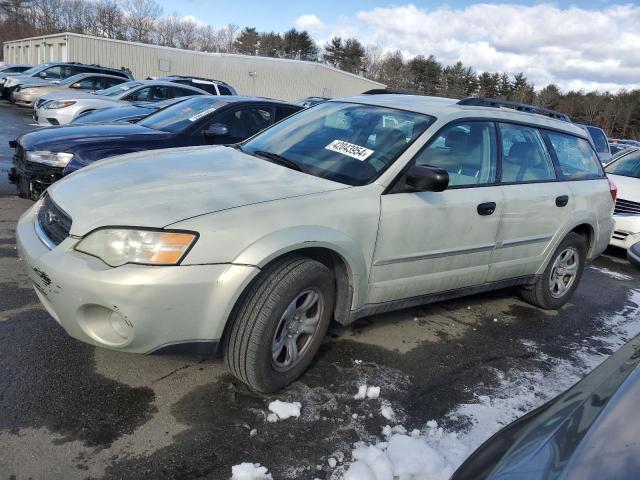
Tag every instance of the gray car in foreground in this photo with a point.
(340, 211)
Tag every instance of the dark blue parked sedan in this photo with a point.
(44, 156)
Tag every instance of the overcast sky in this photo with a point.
(590, 45)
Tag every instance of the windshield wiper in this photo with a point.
(280, 159)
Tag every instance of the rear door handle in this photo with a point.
(562, 200)
(486, 208)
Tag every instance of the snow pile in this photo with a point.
(250, 471)
(367, 392)
(401, 457)
(283, 410)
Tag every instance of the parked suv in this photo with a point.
(53, 72)
(350, 208)
(214, 87)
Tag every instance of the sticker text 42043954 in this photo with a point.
(350, 149)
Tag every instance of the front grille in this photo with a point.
(55, 223)
(626, 207)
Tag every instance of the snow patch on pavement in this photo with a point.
(283, 410)
(611, 273)
(365, 391)
(434, 454)
(250, 471)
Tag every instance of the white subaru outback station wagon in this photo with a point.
(346, 209)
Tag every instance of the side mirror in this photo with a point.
(42, 74)
(75, 85)
(633, 254)
(217, 130)
(423, 178)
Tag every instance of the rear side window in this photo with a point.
(576, 158)
(599, 140)
(467, 151)
(224, 90)
(117, 73)
(283, 112)
(524, 155)
(184, 92)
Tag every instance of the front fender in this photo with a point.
(281, 242)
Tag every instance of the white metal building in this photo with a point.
(250, 75)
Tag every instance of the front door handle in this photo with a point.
(562, 200)
(486, 208)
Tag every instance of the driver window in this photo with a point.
(467, 151)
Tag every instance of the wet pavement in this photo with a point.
(13, 122)
(72, 411)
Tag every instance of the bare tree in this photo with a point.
(227, 36)
(141, 16)
(109, 19)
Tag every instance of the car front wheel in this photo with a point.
(556, 285)
(280, 323)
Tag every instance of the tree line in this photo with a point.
(144, 21)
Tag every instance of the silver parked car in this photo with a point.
(62, 108)
(350, 208)
(26, 95)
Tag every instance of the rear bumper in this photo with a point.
(133, 308)
(626, 231)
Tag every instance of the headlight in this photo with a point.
(58, 104)
(119, 246)
(55, 159)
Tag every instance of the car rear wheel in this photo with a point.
(280, 323)
(560, 279)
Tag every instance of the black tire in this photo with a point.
(540, 293)
(257, 319)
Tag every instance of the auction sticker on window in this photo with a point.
(350, 149)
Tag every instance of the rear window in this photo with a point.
(576, 158)
(599, 140)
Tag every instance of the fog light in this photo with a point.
(119, 325)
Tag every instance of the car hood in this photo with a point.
(628, 187)
(158, 188)
(58, 139)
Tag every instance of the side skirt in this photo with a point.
(376, 308)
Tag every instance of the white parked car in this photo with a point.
(61, 108)
(352, 207)
(624, 171)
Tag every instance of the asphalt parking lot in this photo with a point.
(69, 410)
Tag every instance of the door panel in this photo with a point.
(433, 241)
(436, 241)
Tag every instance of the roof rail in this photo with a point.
(388, 91)
(521, 107)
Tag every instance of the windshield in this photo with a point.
(627, 166)
(118, 89)
(36, 69)
(344, 142)
(73, 79)
(180, 116)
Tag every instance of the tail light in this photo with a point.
(613, 190)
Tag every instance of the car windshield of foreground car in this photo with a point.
(178, 117)
(36, 69)
(345, 142)
(118, 89)
(627, 166)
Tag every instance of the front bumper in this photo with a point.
(58, 116)
(32, 178)
(132, 308)
(626, 231)
(19, 97)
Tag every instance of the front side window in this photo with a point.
(245, 122)
(524, 155)
(576, 158)
(345, 142)
(54, 72)
(627, 166)
(467, 151)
